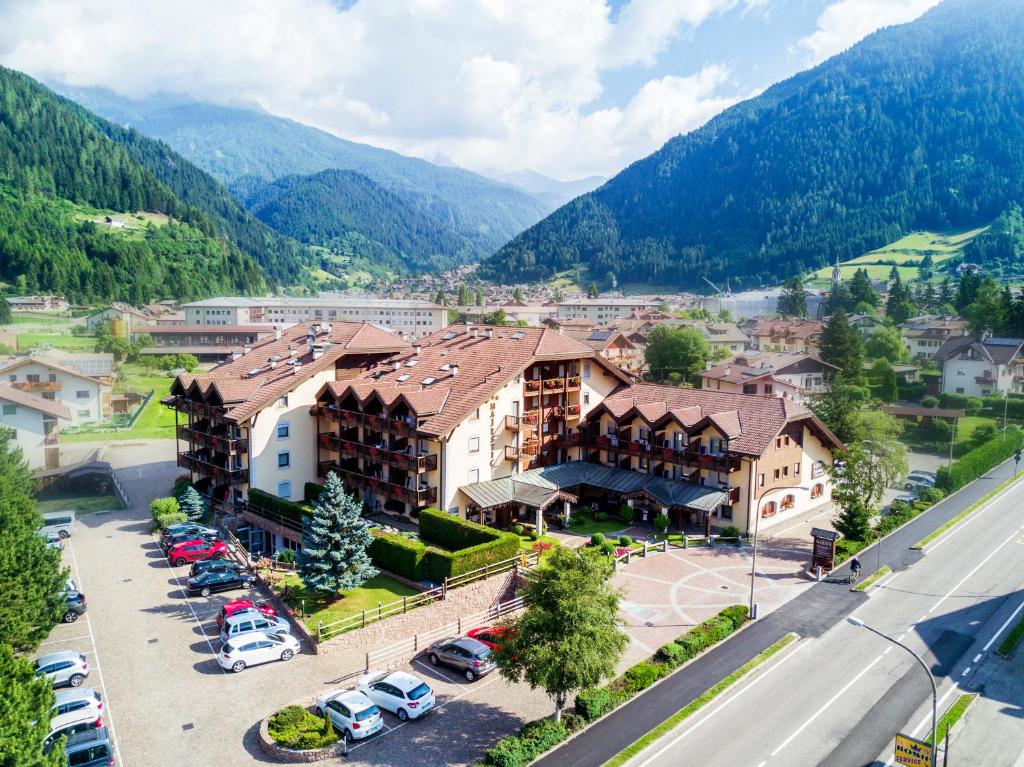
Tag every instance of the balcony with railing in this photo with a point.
(420, 495)
(37, 386)
(403, 459)
(404, 425)
(522, 422)
(691, 456)
(220, 442)
(205, 468)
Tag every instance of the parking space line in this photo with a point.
(96, 662)
(437, 671)
(70, 639)
(188, 603)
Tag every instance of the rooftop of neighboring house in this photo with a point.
(271, 368)
(27, 399)
(788, 328)
(448, 374)
(124, 308)
(999, 351)
(598, 339)
(748, 421)
(159, 330)
(50, 360)
(322, 300)
(933, 326)
(781, 362)
(737, 373)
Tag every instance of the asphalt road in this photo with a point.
(838, 696)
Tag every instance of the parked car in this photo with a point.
(919, 480)
(243, 623)
(53, 540)
(258, 607)
(188, 527)
(353, 714)
(74, 605)
(170, 541)
(254, 648)
(70, 725)
(403, 694)
(207, 583)
(194, 550)
(90, 749)
(470, 656)
(63, 668)
(492, 636)
(60, 522)
(77, 699)
(215, 565)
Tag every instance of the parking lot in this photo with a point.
(152, 652)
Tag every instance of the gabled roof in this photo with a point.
(749, 421)
(788, 328)
(999, 351)
(275, 366)
(34, 401)
(53, 365)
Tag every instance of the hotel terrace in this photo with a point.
(499, 424)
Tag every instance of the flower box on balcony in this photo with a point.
(533, 386)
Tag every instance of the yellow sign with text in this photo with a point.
(912, 752)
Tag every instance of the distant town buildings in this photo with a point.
(979, 367)
(925, 334)
(46, 304)
(207, 343)
(788, 336)
(604, 310)
(790, 375)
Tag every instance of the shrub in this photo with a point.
(294, 727)
(661, 523)
(641, 676)
(398, 554)
(573, 722)
(288, 717)
(716, 629)
(911, 392)
(287, 509)
(512, 751)
(163, 521)
(627, 513)
(534, 535)
(311, 491)
(592, 702)
(285, 556)
(931, 495)
(693, 642)
(672, 653)
(625, 540)
(940, 431)
(736, 613)
(160, 506)
(597, 539)
(981, 459)
(452, 532)
(544, 733)
(731, 532)
(517, 529)
(440, 564)
(929, 401)
(608, 547)
(600, 516)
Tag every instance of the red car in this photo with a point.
(194, 550)
(492, 636)
(241, 605)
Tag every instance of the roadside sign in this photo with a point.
(913, 752)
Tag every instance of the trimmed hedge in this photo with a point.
(981, 459)
(398, 554)
(533, 740)
(287, 509)
(294, 727)
(911, 392)
(961, 401)
(451, 532)
(311, 491)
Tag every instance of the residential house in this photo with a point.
(792, 376)
(120, 319)
(924, 335)
(86, 397)
(979, 367)
(36, 425)
(866, 324)
(613, 346)
(47, 304)
(788, 336)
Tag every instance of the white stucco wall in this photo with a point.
(28, 426)
(88, 409)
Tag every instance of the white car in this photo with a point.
(77, 699)
(353, 714)
(401, 693)
(254, 648)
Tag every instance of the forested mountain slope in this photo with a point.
(919, 126)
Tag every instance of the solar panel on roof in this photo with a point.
(1004, 342)
(600, 335)
(449, 336)
(403, 377)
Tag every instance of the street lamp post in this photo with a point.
(854, 621)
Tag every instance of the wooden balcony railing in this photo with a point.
(215, 441)
(207, 469)
(401, 459)
(421, 495)
(404, 425)
(34, 386)
(521, 422)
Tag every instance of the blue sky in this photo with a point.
(568, 88)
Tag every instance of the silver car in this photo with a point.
(63, 668)
(244, 622)
(77, 699)
(353, 714)
(470, 656)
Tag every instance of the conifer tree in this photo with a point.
(841, 346)
(335, 540)
(192, 504)
(5, 312)
(25, 714)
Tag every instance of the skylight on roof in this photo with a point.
(411, 363)
(449, 336)
(428, 380)
(403, 377)
(445, 367)
(518, 335)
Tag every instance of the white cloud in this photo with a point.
(502, 84)
(847, 21)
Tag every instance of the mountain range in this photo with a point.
(919, 126)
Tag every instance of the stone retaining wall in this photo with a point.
(290, 756)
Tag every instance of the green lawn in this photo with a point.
(155, 422)
(79, 504)
(58, 341)
(583, 524)
(328, 609)
(40, 319)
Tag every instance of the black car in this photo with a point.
(169, 541)
(215, 566)
(208, 582)
(74, 605)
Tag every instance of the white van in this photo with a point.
(60, 522)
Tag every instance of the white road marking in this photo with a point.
(950, 534)
(966, 671)
(888, 649)
(1002, 628)
(70, 639)
(436, 670)
(723, 705)
(976, 658)
(96, 662)
(966, 577)
(830, 701)
(188, 603)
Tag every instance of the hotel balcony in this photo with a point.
(419, 496)
(523, 422)
(405, 426)
(401, 459)
(685, 456)
(218, 442)
(208, 469)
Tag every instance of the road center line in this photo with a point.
(831, 700)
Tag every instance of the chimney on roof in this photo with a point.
(707, 365)
(728, 369)
(471, 330)
(246, 349)
(277, 334)
(296, 369)
(327, 329)
(416, 349)
(273, 364)
(489, 333)
(396, 365)
(454, 370)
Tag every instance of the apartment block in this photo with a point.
(794, 376)
(604, 310)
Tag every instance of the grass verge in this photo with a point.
(698, 703)
(953, 715)
(865, 584)
(334, 607)
(963, 514)
(1009, 644)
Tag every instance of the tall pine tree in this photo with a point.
(5, 312)
(192, 504)
(334, 542)
(24, 714)
(841, 346)
(792, 299)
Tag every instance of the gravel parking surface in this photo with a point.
(167, 698)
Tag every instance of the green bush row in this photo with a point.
(980, 460)
(596, 701)
(295, 727)
(452, 532)
(398, 554)
(532, 740)
(311, 491)
(911, 392)
(269, 502)
(960, 401)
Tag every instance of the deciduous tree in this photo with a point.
(860, 477)
(676, 351)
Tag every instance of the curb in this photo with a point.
(292, 756)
